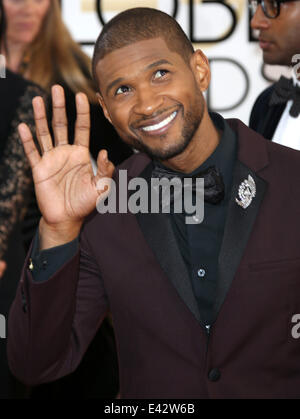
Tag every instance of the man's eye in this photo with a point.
(160, 73)
(122, 89)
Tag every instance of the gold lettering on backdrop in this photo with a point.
(239, 6)
(87, 6)
(119, 5)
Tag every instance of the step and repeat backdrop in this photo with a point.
(220, 28)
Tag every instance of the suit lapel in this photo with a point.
(239, 224)
(158, 233)
(252, 158)
(238, 227)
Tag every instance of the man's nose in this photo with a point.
(260, 20)
(148, 101)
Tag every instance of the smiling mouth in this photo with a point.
(161, 125)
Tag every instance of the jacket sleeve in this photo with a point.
(51, 323)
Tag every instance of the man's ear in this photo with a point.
(200, 66)
(103, 106)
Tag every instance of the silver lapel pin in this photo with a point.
(247, 191)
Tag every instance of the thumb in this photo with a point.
(105, 167)
(105, 170)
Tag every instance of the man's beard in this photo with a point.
(192, 120)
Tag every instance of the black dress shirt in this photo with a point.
(200, 244)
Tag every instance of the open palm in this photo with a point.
(64, 181)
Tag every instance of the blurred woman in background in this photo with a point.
(37, 45)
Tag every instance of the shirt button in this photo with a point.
(201, 273)
(30, 265)
(214, 375)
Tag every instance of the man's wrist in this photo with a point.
(57, 234)
(45, 263)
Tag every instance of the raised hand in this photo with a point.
(64, 181)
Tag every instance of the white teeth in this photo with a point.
(161, 124)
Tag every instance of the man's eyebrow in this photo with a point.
(121, 79)
(113, 83)
(158, 63)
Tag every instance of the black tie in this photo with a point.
(214, 189)
(284, 90)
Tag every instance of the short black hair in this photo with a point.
(139, 24)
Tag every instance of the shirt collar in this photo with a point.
(224, 156)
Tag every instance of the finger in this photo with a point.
(41, 124)
(59, 121)
(30, 149)
(82, 126)
(104, 165)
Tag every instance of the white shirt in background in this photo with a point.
(287, 132)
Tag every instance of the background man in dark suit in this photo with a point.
(276, 111)
(201, 310)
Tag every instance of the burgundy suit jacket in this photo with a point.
(131, 265)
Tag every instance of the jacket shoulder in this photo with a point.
(257, 152)
(288, 157)
(260, 107)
